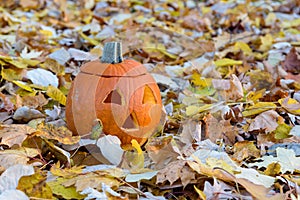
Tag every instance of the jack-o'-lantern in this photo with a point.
(120, 93)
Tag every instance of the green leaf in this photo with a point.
(35, 186)
(282, 131)
(65, 192)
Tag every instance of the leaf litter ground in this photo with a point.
(229, 78)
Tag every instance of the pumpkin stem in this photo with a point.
(112, 53)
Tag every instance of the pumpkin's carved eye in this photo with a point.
(131, 122)
(113, 97)
(148, 96)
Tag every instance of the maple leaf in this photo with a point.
(174, 171)
(285, 157)
(265, 121)
(218, 190)
(10, 157)
(61, 133)
(29, 55)
(35, 185)
(15, 134)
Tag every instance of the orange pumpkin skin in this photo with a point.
(123, 96)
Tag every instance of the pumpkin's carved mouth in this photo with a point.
(131, 122)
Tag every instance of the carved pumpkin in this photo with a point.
(118, 92)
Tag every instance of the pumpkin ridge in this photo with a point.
(109, 76)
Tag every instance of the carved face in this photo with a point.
(128, 104)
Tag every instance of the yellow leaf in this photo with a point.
(56, 170)
(19, 64)
(291, 23)
(201, 81)
(227, 62)
(200, 193)
(192, 110)
(11, 74)
(270, 19)
(219, 163)
(136, 158)
(258, 108)
(243, 47)
(256, 95)
(282, 131)
(30, 62)
(291, 105)
(266, 42)
(23, 86)
(56, 94)
(273, 169)
(90, 40)
(136, 145)
(46, 33)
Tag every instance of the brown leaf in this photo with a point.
(191, 131)
(292, 61)
(194, 21)
(259, 191)
(172, 172)
(61, 134)
(14, 134)
(229, 89)
(162, 151)
(219, 129)
(7, 104)
(21, 155)
(265, 121)
(245, 149)
(35, 101)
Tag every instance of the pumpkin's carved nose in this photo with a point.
(113, 97)
(131, 122)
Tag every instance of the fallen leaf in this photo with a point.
(267, 121)
(61, 56)
(110, 147)
(56, 94)
(218, 190)
(14, 194)
(15, 134)
(9, 178)
(65, 192)
(35, 186)
(245, 150)
(285, 157)
(131, 178)
(42, 77)
(255, 177)
(227, 62)
(282, 131)
(258, 108)
(61, 134)
(291, 105)
(292, 61)
(22, 155)
(26, 114)
(162, 151)
(30, 54)
(174, 171)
